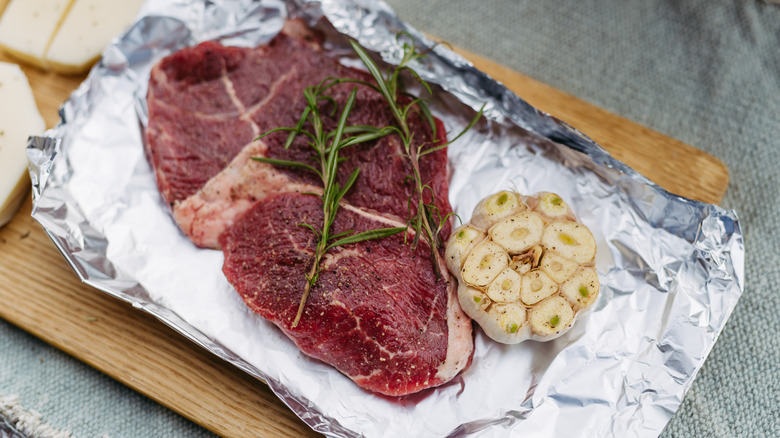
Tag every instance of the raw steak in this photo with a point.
(206, 105)
(377, 313)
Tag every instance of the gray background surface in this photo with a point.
(704, 72)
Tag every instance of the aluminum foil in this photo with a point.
(671, 268)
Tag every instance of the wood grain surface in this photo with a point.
(41, 294)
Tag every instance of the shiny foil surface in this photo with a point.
(671, 269)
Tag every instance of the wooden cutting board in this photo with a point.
(42, 295)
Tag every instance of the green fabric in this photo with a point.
(704, 72)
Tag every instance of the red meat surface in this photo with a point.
(377, 312)
(208, 103)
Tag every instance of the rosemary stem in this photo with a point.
(320, 145)
(430, 234)
(310, 279)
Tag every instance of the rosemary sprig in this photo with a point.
(326, 145)
(425, 217)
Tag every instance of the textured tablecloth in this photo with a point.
(704, 72)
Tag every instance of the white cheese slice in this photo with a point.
(27, 27)
(19, 118)
(87, 30)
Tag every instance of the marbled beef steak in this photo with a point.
(377, 313)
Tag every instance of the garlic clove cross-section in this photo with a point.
(484, 263)
(525, 266)
(461, 241)
(551, 206)
(519, 232)
(496, 207)
(570, 239)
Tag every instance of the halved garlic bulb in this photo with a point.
(525, 266)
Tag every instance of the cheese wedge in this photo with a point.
(87, 30)
(19, 118)
(27, 27)
(66, 36)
